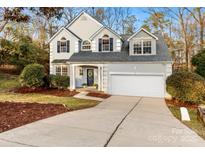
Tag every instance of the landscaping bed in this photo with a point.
(100, 95)
(47, 91)
(196, 124)
(17, 114)
(177, 103)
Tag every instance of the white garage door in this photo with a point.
(137, 85)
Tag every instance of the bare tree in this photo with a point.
(199, 16)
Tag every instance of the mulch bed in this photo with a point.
(47, 91)
(16, 114)
(177, 103)
(100, 95)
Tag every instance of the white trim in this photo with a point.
(104, 27)
(142, 29)
(125, 62)
(87, 45)
(64, 41)
(76, 46)
(79, 16)
(133, 73)
(61, 67)
(142, 47)
(61, 29)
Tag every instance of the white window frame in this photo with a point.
(61, 70)
(58, 73)
(63, 41)
(147, 46)
(142, 46)
(86, 45)
(107, 39)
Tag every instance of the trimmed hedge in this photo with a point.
(186, 86)
(58, 81)
(32, 75)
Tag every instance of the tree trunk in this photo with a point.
(3, 26)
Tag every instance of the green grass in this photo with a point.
(70, 102)
(195, 124)
(8, 81)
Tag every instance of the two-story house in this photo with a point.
(92, 53)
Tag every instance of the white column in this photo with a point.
(99, 78)
(102, 79)
(72, 77)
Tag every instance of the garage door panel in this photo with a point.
(137, 85)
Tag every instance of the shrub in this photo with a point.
(186, 86)
(32, 75)
(199, 62)
(58, 81)
(95, 85)
(84, 84)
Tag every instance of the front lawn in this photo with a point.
(195, 124)
(8, 81)
(17, 109)
(70, 102)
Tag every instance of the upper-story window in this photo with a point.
(63, 45)
(105, 43)
(141, 47)
(86, 45)
(138, 47)
(147, 47)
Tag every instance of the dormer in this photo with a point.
(142, 43)
(106, 40)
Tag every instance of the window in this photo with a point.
(105, 43)
(58, 70)
(81, 72)
(86, 45)
(63, 45)
(142, 47)
(137, 48)
(147, 47)
(62, 70)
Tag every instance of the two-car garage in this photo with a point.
(133, 84)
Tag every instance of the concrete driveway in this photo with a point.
(117, 121)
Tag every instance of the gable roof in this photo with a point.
(104, 27)
(142, 29)
(61, 29)
(162, 54)
(67, 26)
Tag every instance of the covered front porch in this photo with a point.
(86, 75)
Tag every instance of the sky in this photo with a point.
(140, 14)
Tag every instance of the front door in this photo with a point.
(90, 77)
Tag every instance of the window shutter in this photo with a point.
(111, 44)
(100, 44)
(68, 46)
(58, 46)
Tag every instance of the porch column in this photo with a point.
(72, 77)
(99, 78)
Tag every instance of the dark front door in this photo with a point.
(90, 77)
